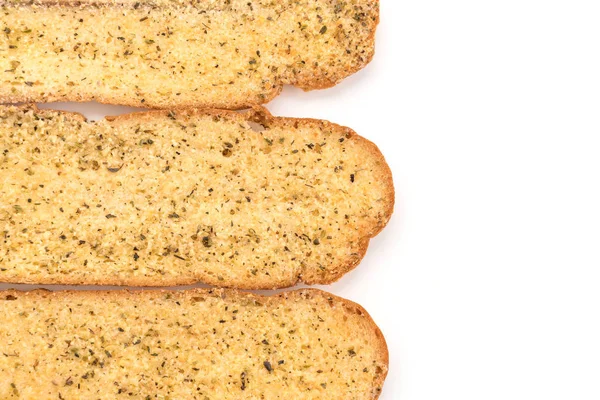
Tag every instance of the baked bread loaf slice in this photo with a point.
(196, 344)
(176, 53)
(159, 198)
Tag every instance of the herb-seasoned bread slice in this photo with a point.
(176, 53)
(197, 344)
(167, 198)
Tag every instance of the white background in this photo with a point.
(486, 283)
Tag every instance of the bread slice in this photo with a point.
(175, 53)
(197, 344)
(242, 200)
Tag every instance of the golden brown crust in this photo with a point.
(131, 102)
(309, 276)
(376, 341)
(374, 152)
(309, 74)
(318, 83)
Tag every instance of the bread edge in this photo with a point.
(349, 306)
(317, 83)
(257, 114)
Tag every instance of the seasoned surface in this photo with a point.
(188, 345)
(219, 53)
(165, 198)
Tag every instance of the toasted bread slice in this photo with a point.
(197, 344)
(242, 200)
(176, 53)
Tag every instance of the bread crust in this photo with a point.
(260, 115)
(307, 80)
(302, 295)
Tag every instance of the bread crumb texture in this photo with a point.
(168, 53)
(160, 198)
(198, 344)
